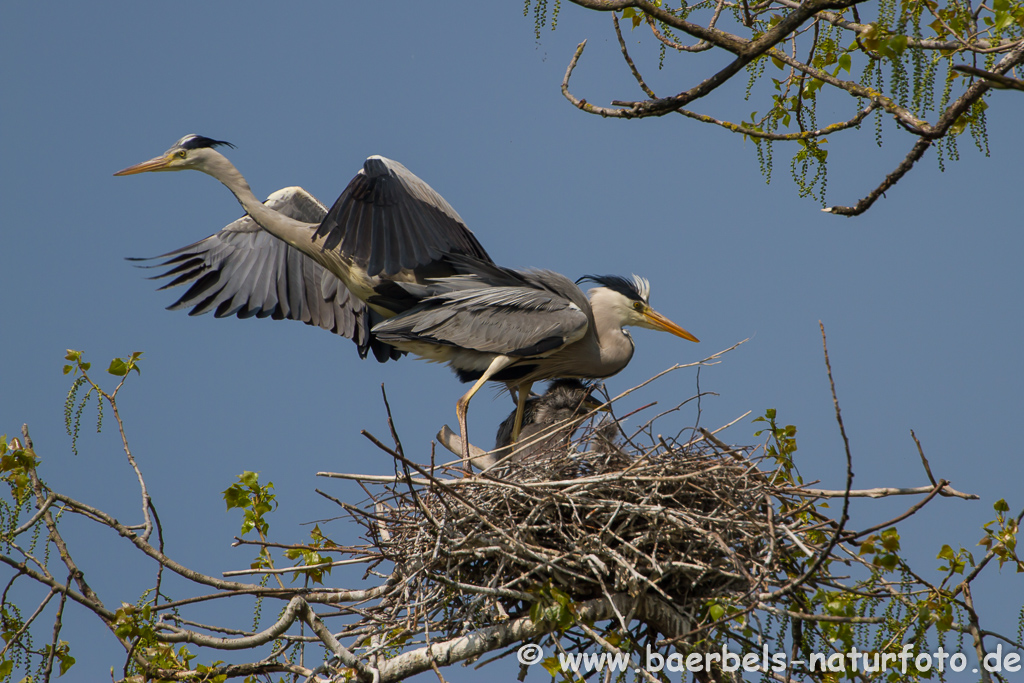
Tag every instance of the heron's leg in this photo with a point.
(462, 407)
(524, 395)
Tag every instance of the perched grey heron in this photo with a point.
(548, 421)
(519, 327)
(291, 258)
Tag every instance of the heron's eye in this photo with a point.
(182, 154)
(637, 306)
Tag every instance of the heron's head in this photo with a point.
(628, 301)
(191, 152)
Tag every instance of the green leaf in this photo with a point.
(66, 662)
(236, 497)
(887, 561)
(118, 367)
(1001, 506)
(536, 612)
(945, 620)
(565, 619)
(552, 666)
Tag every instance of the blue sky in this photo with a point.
(920, 297)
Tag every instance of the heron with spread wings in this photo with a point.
(290, 258)
(397, 270)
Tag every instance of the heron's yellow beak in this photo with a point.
(160, 163)
(660, 322)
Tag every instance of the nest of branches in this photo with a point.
(675, 522)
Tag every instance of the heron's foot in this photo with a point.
(481, 459)
(460, 410)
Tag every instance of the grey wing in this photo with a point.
(388, 220)
(245, 271)
(470, 270)
(472, 273)
(514, 321)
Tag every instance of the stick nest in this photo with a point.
(680, 522)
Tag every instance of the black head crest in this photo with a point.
(198, 141)
(637, 289)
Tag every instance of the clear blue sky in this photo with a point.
(920, 297)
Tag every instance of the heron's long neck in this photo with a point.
(613, 348)
(295, 233)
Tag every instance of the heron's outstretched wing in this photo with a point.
(245, 271)
(388, 220)
(512, 321)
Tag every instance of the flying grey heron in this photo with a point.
(519, 327)
(291, 258)
(548, 421)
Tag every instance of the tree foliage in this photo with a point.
(928, 66)
(660, 553)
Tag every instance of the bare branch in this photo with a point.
(880, 492)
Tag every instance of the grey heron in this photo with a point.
(548, 421)
(392, 243)
(291, 258)
(518, 327)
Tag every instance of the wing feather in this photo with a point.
(245, 271)
(513, 321)
(384, 205)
